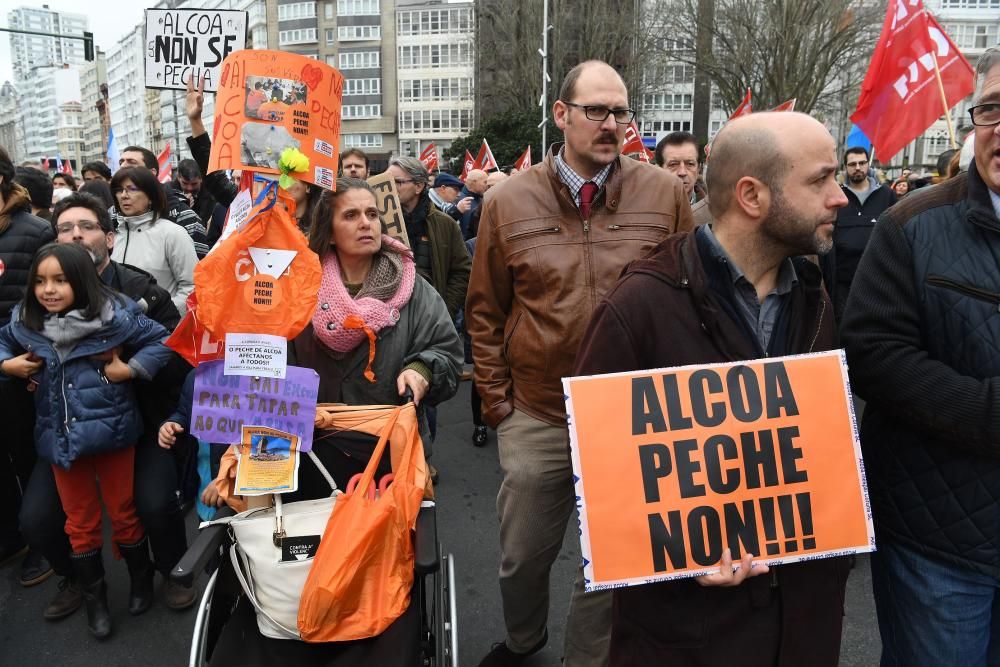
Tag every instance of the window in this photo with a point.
(361, 140)
(657, 75)
(666, 102)
(297, 10)
(651, 127)
(330, 38)
(299, 36)
(361, 111)
(973, 35)
(434, 55)
(970, 4)
(435, 90)
(347, 33)
(428, 121)
(435, 21)
(362, 87)
(328, 10)
(359, 60)
(357, 8)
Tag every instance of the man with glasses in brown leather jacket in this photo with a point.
(552, 242)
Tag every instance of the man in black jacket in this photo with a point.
(82, 219)
(21, 235)
(188, 184)
(923, 343)
(866, 200)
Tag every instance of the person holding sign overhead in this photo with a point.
(732, 290)
(551, 243)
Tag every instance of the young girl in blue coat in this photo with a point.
(69, 337)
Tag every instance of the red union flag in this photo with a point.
(786, 106)
(900, 97)
(467, 165)
(745, 107)
(165, 168)
(429, 157)
(485, 159)
(633, 143)
(523, 162)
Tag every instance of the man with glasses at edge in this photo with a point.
(551, 243)
(923, 343)
(866, 199)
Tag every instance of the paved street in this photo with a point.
(470, 478)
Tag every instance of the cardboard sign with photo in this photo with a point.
(270, 101)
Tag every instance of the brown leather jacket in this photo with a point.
(540, 270)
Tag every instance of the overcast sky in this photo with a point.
(109, 21)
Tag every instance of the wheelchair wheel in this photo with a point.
(200, 638)
(446, 616)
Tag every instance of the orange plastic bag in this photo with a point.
(192, 340)
(363, 570)
(235, 292)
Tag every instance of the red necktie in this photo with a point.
(587, 193)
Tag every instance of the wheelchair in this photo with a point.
(226, 633)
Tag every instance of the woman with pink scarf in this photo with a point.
(379, 328)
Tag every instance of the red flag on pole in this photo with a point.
(485, 159)
(786, 106)
(429, 157)
(899, 96)
(467, 165)
(166, 169)
(633, 143)
(523, 162)
(745, 107)
(67, 168)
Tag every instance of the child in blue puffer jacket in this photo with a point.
(66, 337)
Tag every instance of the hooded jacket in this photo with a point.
(667, 311)
(21, 235)
(163, 249)
(80, 413)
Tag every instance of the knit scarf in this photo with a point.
(341, 323)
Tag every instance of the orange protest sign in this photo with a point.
(675, 465)
(268, 101)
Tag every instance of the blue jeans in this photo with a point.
(933, 613)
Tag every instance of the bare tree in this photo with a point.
(812, 50)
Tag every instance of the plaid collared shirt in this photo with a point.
(575, 181)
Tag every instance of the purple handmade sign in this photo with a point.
(223, 404)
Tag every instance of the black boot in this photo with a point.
(140, 571)
(90, 575)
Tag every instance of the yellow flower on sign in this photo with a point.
(291, 161)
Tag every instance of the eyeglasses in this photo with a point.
(857, 165)
(600, 114)
(84, 225)
(985, 115)
(131, 189)
(402, 181)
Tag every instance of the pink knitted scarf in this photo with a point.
(341, 323)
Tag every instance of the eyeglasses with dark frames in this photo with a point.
(623, 116)
(985, 115)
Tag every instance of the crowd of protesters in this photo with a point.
(761, 251)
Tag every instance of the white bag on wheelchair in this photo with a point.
(272, 553)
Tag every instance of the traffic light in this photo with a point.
(88, 46)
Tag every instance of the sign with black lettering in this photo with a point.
(675, 465)
(185, 43)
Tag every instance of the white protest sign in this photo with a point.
(239, 210)
(185, 43)
(271, 261)
(256, 355)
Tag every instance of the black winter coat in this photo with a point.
(855, 223)
(922, 333)
(19, 241)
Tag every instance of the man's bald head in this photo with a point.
(495, 178)
(593, 69)
(475, 181)
(750, 145)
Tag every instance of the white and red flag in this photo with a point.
(67, 167)
(485, 159)
(745, 107)
(786, 106)
(467, 165)
(523, 162)
(166, 169)
(633, 143)
(900, 97)
(429, 157)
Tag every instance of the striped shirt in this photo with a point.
(575, 181)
